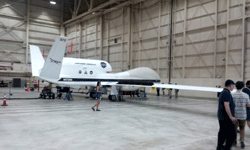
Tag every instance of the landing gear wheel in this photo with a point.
(112, 98)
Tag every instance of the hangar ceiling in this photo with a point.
(75, 8)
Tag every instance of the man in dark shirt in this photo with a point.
(226, 109)
(247, 91)
(158, 91)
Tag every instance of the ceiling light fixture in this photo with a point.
(52, 2)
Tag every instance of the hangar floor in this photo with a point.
(157, 123)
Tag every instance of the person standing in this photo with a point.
(225, 114)
(241, 101)
(158, 91)
(98, 97)
(176, 92)
(163, 90)
(170, 91)
(247, 91)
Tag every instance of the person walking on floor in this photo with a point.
(247, 91)
(98, 97)
(241, 101)
(163, 90)
(176, 92)
(225, 114)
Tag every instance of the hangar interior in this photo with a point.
(188, 42)
(209, 37)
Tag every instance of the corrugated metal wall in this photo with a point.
(208, 37)
(41, 22)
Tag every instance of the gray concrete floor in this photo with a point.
(155, 124)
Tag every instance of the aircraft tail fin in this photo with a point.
(53, 64)
(37, 60)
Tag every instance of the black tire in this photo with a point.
(112, 97)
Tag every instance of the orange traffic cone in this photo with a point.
(4, 101)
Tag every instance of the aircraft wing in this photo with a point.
(188, 87)
(171, 86)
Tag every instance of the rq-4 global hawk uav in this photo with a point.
(75, 72)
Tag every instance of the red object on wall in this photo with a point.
(43, 53)
(71, 48)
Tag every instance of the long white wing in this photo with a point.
(188, 87)
(180, 87)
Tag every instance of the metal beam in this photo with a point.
(79, 3)
(9, 5)
(96, 34)
(100, 7)
(129, 38)
(11, 16)
(227, 44)
(62, 29)
(159, 39)
(27, 32)
(75, 51)
(87, 3)
(75, 7)
(184, 40)
(80, 39)
(122, 39)
(243, 40)
(140, 26)
(101, 37)
(85, 40)
(108, 50)
(173, 37)
(170, 43)
(91, 5)
(215, 37)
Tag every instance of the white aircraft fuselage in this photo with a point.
(86, 72)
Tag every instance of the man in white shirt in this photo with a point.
(241, 100)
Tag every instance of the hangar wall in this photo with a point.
(24, 22)
(209, 40)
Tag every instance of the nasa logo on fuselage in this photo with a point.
(103, 64)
